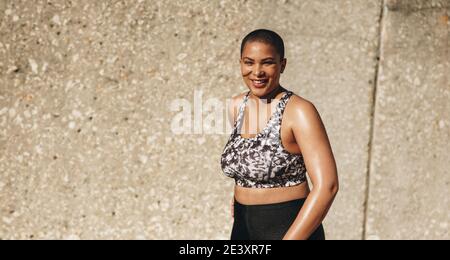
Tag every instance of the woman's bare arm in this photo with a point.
(311, 136)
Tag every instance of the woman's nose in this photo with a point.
(257, 71)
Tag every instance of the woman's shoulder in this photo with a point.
(237, 100)
(300, 106)
(299, 101)
(240, 97)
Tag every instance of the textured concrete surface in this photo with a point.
(86, 147)
(410, 177)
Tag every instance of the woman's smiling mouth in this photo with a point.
(259, 83)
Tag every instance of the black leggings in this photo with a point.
(268, 221)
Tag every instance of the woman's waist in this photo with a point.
(259, 196)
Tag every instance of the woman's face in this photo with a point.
(261, 67)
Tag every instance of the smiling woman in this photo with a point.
(262, 61)
(272, 199)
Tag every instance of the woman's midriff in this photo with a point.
(258, 196)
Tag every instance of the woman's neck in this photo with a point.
(268, 98)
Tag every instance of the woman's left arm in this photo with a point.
(311, 136)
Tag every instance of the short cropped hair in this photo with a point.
(265, 36)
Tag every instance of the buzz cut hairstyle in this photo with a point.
(265, 36)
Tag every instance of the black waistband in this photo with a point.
(290, 203)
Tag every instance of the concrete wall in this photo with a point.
(87, 149)
(409, 179)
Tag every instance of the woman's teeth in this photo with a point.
(259, 83)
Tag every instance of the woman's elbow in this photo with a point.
(334, 185)
(334, 188)
(330, 188)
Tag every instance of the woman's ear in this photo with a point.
(283, 64)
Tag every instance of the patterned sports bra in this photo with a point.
(262, 161)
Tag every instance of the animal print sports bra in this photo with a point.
(262, 161)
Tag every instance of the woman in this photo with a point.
(272, 199)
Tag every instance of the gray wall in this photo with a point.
(87, 149)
